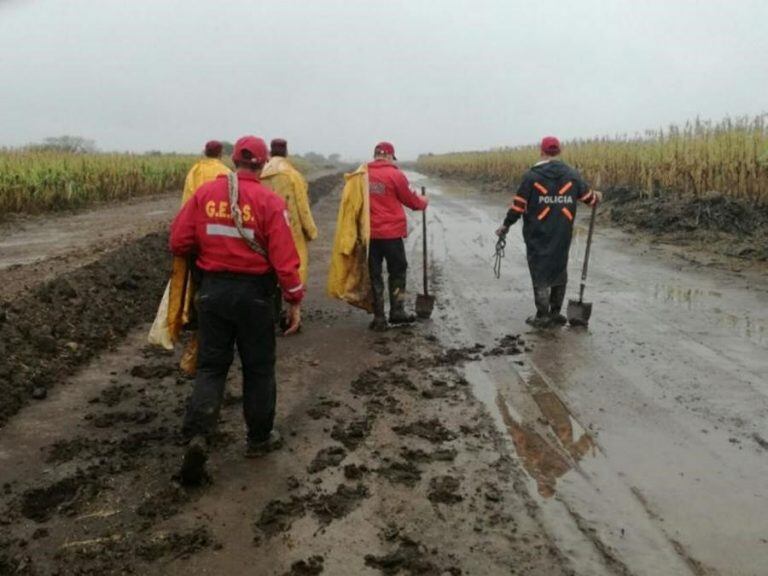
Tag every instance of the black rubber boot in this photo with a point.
(193, 471)
(556, 297)
(379, 322)
(541, 299)
(397, 313)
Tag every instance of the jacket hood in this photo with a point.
(551, 169)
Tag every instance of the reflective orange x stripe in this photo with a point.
(565, 188)
(543, 213)
(540, 188)
(568, 214)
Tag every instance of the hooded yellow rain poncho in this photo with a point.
(348, 279)
(203, 171)
(280, 176)
(175, 309)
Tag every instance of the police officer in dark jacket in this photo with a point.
(546, 200)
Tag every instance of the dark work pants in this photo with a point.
(234, 309)
(391, 251)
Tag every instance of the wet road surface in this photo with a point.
(645, 436)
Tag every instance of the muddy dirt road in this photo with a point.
(646, 435)
(464, 445)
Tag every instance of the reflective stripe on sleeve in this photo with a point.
(296, 289)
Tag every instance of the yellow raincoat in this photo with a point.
(348, 279)
(280, 176)
(203, 171)
(176, 305)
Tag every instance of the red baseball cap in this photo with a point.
(278, 146)
(250, 149)
(213, 148)
(385, 148)
(550, 146)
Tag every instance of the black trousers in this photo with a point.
(234, 309)
(391, 251)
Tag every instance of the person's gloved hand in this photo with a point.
(502, 231)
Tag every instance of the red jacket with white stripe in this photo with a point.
(204, 226)
(389, 191)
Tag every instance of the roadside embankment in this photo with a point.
(58, 325)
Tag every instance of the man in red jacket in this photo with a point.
(389, 192)
(239, 231)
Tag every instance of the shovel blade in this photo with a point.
(578, 313)
(424, 305)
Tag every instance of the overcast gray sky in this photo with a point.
(337, 76)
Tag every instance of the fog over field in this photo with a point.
(336, 76)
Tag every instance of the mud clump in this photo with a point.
(278, 515)
(509, 345)
(327, 458)
(322, 409)
(180, 545)
(65, 322)
(405, 473)
(355, 472)
(369, 383)
(439, 455)
(110, 419)
(309, 567)
(67, 450)
(410, 557)
(40, 504)
(112, 395)
(152, 372)
(164, 503)
(330, 507)
(432, 430)
(351, 434)
(444, 490)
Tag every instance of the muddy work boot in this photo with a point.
(379, 322)
(256, 449)
(556, 297)
(397, 313)
(539, 321)
(541, 299)
(193, 472)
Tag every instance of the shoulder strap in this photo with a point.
(237, 216)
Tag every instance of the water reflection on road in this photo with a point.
(639, 433)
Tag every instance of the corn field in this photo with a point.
(41, 181)
(729, 157)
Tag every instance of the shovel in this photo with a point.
(424, 302)
(578, 311)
